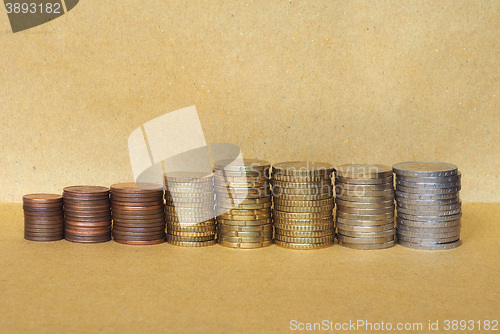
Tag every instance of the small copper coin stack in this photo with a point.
(138, 213)
(365, 206)
(303, 205)
(243, 203)
(43, 217)
(428, 205)
(87, 216)
(189, 209)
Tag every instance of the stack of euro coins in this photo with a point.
(189, 209)
(365, 206)
(87, 214)
(138, 213)
(303, 204)
(428, 205)
(43, 217)
(243, 203)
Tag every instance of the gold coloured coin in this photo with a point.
(299, 246)
(384, 245)
(245, 245)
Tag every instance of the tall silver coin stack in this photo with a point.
(428, 205)
(303, 204)
(243, 203)
(365, 206)
(190, 209)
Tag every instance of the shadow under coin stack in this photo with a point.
(189, 209)
(138, 213)
(43, 217)
(303, 205)
(365, 206)
(87, 216)
(428, 205)
(243, 203)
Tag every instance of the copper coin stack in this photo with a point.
(138, 213)
(303, 204)
(428, 205)
(243, 203)
(189, 209)
(43, 217)
(87, 216)
(365, 206)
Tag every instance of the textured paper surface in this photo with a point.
(332, 81)
(65, 287)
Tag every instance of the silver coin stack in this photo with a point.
(189, 209)
(428, 205)
(243, 203)
(303, 205)
(365, 206)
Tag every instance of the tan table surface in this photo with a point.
(66, 287)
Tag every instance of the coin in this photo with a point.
(317, 203)
(432, 235)
(320, 227)
(229, 233)
(405, 201)
(244, 217)
(296, 240)
(363, 187)
(361, 211)
(188, 177)
(436, 179)
(449, 245)
(364, 193)
(246, 245)
(190, 223)
(303, 221)
(326, 189)
(428, 230)
(364, 222)
(226, 205)
(353, 216)
(428, 185)
(356, 234)
(364, 205)
(291, 197)
(173, 191)
(299, 246)
(42, 198)
(428, 218)
(241, 165)
(361, 228)
(439, 208)
(189, 239)
(231, 184)
(237, 228)
(302, 168)
(304, 209)
(349, 180)
(301, 215)
(242, 212)
(383, 245)
(365, 199)
(352, 240)
(193, 244)
(140, 242)
(363, 171)
(249, 201)
(262, 238)
(429, 213)
(301, 185)
(427, 224)
(249, 222)
(428, 240)
(425, 169)
(241, 179)
(435, 191)
(259, 173)
(305, 234)
(425, 196)
(301, 178)
(134, 188)
(192, 228)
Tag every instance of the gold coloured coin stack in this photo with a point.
(303, 205)
(189, 209)
(243, 203)
(138, 213)
(365, 206)
(87, 214)
(428, 205)
(43, 217)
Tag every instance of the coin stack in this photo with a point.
(87, 215)
(303, 205)
(428, 205)
(138, 213)
(43, 217)
(243, 203)
(189, 209)
(365, 206)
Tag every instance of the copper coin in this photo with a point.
(87, 204)
(43, 234)
(139, 221)
(138, 237)
(143, 235)
(42, 198)
(141, 243)
(87, 232)
(43, 239)
(86, 190)
(138, 208)
(87, 224)
(42, 206)
(136, 197)
(119, 215)
(136, 188)
(139, 229)
(97, 217)
(53, 230)
(43, 221)
(86, 239)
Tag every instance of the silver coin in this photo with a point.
(428, 240)
(368, 247)
(356, 228)
(407, 201)
(353, 216)
(364, 205)
(440, 191)
(438, 179)
(364, 222)
(352, 240)
(421, 218)
(430, 207)
(427, 224)
(361, 211)
(355, 234)
(364, 193)
(429, 213)
(425, 197)
(427, 235)
(345, 180)
(365, 199)
(432, 185)
(425, 168)
(449, 245)
(363, 187)
(428, 230)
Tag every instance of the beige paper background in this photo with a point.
(338, 82)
